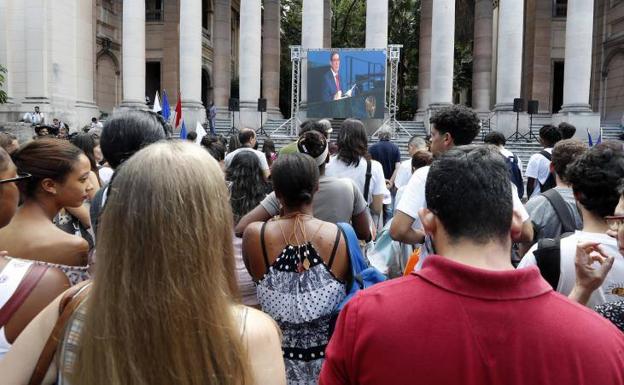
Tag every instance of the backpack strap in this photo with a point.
(561, 209)
(546, 154)
(69, 303)
(263, 245)
(333, 254)
(367, 179)
(28, 284)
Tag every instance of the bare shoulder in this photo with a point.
(260, 328)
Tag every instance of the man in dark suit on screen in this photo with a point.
(332, 86)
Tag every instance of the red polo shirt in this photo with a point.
(454, 324)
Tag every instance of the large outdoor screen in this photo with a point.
(346, 83)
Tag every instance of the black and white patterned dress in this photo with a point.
(300, 292)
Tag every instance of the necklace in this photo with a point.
(293, 215)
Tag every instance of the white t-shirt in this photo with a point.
(538, 168)
(105, 173)
(403, 174)
(508, 154)
(413, 199)
(261, 157)
(339, 169)
(614, 283)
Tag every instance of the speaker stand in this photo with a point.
(261, 131)
(232, 130)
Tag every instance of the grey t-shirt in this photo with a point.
(543, 215)
(337, 200)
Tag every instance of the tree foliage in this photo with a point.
(349, 31)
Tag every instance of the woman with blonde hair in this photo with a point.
(162, 308)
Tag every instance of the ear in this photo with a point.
(552, 168)
(49, 185)
(516, 225)
(448, 139)
(428, 220)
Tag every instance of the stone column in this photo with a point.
(578, 55)
(509, 64)
(377, 24)
(442, 53)
(250, 62)
(424, 58)
(327, 24)
(311, 37)
(482, 56)
(85, 65)
(191, 62)
(509, 67)
(5, 46)
(35, 28)
(577, 72)
(133, 54)
(271, 58)
(222, 45)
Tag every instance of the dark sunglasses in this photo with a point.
(20, 176)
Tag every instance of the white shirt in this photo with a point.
(414, 199)
(614, 283)
(404, 173)
(357, 174)
(538, 168)
(508, 154)
(261, 157)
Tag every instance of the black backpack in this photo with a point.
(515, 174)
(550, 181)
(548, 252)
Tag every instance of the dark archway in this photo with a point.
(206, 88)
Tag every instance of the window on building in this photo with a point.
(153, 10)
(207, 14)
(152, 80)
(560, 8)
(557, 86)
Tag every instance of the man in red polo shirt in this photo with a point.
(468, 317)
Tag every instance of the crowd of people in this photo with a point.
(131, 257)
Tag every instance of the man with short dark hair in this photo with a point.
(389, 155)
(547, 222)
(514, 164)
(538, 174)
(468, 317)
(35, 118)
(247, 138)
(451, 126)
(566, 130)
(594, 176)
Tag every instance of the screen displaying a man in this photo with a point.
(332, 86)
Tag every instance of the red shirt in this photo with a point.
(454, 324)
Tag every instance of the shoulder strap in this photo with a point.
(28, 284)
(546, 154)
(368, 179)
(263, 245)
(548, 259)
(333, 254)
(561, 209)
(69, 303)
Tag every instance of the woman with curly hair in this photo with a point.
(248, 187)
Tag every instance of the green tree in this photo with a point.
(3, 95)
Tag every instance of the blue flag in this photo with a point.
(589, 138)
(166, 110)
(183, 131)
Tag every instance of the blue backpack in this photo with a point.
(363, 275)
(515, 174)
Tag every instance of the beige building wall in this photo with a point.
(162, 45)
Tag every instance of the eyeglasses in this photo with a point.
(19, 177)
(614, 221)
